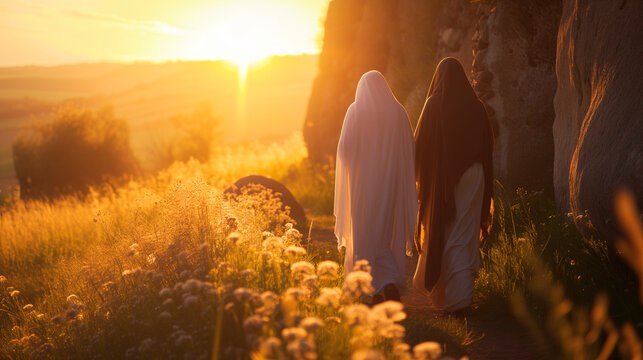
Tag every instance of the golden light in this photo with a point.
(245, 32)
(246, 37)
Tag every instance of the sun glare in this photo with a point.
(247, 31)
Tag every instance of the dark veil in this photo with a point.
(453, 133)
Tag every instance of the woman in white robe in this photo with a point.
(454, 170)
(375, 193)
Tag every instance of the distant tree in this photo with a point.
(78, 149)
(194, 136)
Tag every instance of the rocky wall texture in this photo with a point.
(507, 46)
(598, 130)
(514, 53)
(356, 40)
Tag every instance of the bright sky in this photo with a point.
(47, 32)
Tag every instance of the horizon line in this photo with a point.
(146, 61)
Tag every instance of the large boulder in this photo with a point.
(598, 130)
(287, 199)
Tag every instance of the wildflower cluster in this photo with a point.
(194, 274)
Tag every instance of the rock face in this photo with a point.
(509, 47)
(598, 129)
(514, 54)
(297, 213)
(355, 41)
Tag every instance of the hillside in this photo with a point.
(147, 94)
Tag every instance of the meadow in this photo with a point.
(166, 266)
(148, 95)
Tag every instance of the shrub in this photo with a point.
(78, 149)
(194, 137)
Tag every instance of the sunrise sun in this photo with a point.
(246, 34)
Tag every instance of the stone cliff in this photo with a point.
(507, 46)
(598, 129)
(519, 55)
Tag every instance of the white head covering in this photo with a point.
(375, 194)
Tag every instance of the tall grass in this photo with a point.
(166, 267)
(537, 263)
(169, 268)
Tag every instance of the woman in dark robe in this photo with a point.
(454, 175)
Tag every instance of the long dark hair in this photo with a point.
(453, 133)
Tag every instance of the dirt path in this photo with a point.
(497, 337)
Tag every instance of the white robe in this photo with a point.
(375, 194)
(461, 256)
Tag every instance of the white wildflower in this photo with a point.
(362, 265)
(165, 316)
(270, 301)
(165, 293)
(301, 269)
(151, 259)
(294, 251)
(302, 349)
(269, 298)
(327, 269)
(146, 345)
(296, 294)
(233, 237)
(131, 272)
(243, 294)
(190, 301)
(248, 273)
(293, 236)
(168, 303)
(293, 333)
(185, 274)
(402, 351)
(73, 299)
(253, 324)
(183, 341)
(393, 310)
(356, 314)
(273, 244)
(270, 348)
(311, 324)
(310, 281)
(358, 283)
(427, 351)
(367, 354)
(329, 297)
(133, 250)
(389, 329)
(192, 286)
